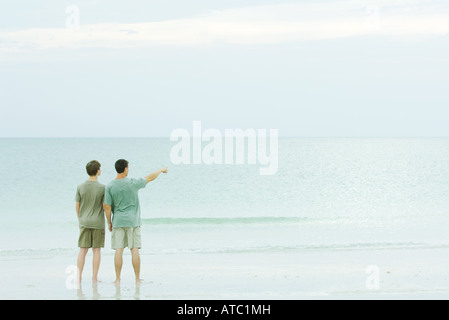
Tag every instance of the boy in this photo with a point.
(89, 209)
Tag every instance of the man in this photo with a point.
(121, 199)
(89, 209)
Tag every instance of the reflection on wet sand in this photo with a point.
(118, 295)
(81, 295)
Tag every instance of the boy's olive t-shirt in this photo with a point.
(90, 195)
(122, 196)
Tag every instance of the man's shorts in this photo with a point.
(91, 238)
(126, 237)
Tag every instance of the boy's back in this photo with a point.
(90, 195)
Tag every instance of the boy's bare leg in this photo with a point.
(80, 263)
(118, 261)
(96, 264)
(136, 263)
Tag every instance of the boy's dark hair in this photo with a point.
(92, 168)
(120, 165)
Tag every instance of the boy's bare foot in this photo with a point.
(117, 282)
(139, 281)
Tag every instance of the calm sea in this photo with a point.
(328, 194)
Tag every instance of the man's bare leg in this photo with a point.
(80, 264)
(136, 263)
(118, 260)
(96, 264)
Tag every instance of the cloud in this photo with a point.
(268, 24)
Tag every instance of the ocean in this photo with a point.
(329, 195)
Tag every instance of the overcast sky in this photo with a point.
(113, 68)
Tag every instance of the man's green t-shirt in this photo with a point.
(90, 195)
(122, 196)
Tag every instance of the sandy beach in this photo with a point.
(337, 274)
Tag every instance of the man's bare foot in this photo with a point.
(117, 282)
(139, 281)
(77, 282)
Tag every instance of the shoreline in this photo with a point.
(323, 274)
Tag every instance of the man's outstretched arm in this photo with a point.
(155, 174)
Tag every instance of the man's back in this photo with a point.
(90, 195)
(122, 196)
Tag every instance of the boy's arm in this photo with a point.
(77, 208)
(77, 202)
(155, 174)
(107, 210)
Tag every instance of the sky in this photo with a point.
(136, 68)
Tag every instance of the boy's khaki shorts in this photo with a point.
(91, 238)
(126, 237)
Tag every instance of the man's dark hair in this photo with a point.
(92, 168)
(120, 165)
